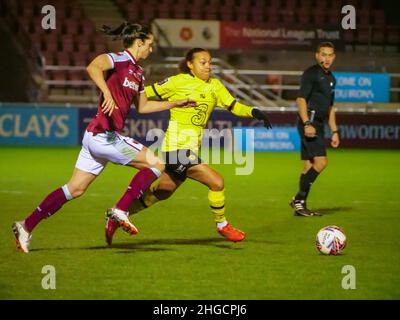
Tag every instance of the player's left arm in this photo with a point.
(144, 105)
(335, 139)
(239, 109)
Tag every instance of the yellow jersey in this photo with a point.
(186, 124)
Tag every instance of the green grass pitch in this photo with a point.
(178, 253)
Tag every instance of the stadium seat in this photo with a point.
(83, 46)
(68, 44)
(87, 28)
(226, 9)
(60, 75)
(71, 27)
(363, 35)
(378, 18)
(290, 5)
(275, 4)
(196, 14)
(303, 16)
(51, 44)
(349, 36)
(378, 35)
(210, 14)
(393, 35)
(288, 17)
(50, 58)
(76, 13)
(214, 4)
(63, 59)
(363, 18)
(179, 11)
(319, 17)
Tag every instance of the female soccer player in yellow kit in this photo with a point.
(183, 137)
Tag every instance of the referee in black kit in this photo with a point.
(315, 108)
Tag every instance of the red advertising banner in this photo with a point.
(242, 35)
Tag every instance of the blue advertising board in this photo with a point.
(260, 139)
(362, 87)
(38, 126)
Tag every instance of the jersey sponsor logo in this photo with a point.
(130, 84)
(200, 117)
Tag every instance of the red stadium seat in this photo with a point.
(319, 17)
(242, 14)
(291, 5)
(77, 75)
(79, 58)
(71, 27)
(68, 44)
(83, 46)
(76, 13)
(363, 17)
(63, 59)
(378, 35)
(36, 39)
(51, 44)
(257, 14)
(214, 4)
(58, 74)
(99, 47)
(230, 3)
(196, 14)
(288, 17)
(363, 35)
(272, 16)
(179, 12)
(199, 3)
(227, 13)
(50, 58)
(210, 15)
(303, 16)
(87, 28)
(349, 36)
(379, 18)
(393, 35)
(275, 4)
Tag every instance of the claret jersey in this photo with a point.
(125, 80)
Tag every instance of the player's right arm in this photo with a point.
(304, 93)
(96, 72)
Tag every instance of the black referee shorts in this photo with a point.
(312, 147)
(178, 162)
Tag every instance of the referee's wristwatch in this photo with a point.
(307, 123)
(336, 131)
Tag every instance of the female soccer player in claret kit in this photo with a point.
(185, 125)
(102, 141)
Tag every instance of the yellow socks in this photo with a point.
(217, 204)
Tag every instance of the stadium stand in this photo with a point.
(67, 49)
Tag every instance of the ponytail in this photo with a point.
(128, 32)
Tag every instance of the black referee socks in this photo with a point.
(306, 180)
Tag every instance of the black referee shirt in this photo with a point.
(317, 88)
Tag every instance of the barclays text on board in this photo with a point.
(38, 126)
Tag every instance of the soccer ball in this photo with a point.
(330, 240)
